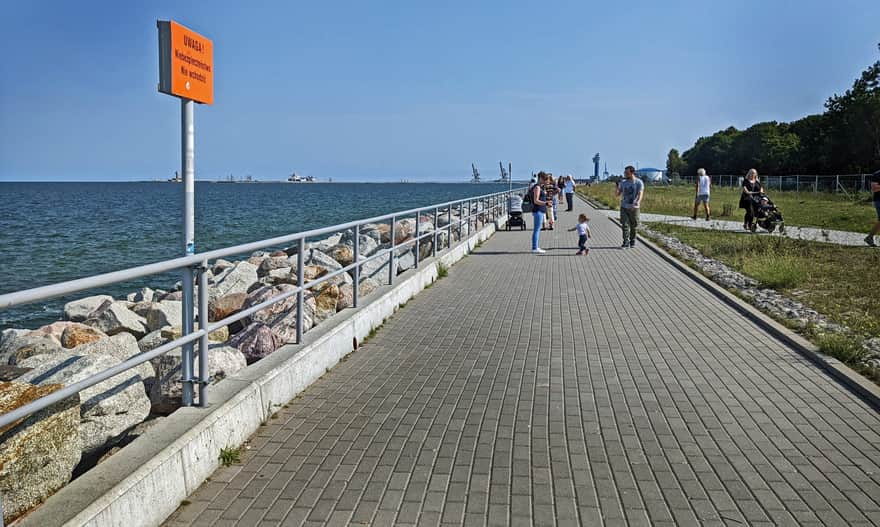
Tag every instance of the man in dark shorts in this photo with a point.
(874, 185)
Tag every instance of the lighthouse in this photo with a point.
(596, 167)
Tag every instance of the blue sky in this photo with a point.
(416, 90)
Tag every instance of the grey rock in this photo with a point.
(221, 265)
(238, 279)
(271, 264)
(164, 313)
(20, 347)
(81, 309)
(255, 341)
(115, 317)
(37, 454)
(120, 347)
(107, 408)
(165, 393)
(152, 340)
(144, 295)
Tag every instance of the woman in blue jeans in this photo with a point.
(539, 208)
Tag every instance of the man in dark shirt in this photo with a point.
(874, 180)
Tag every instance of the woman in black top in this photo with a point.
(751, 186)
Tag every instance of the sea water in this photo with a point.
(53, 232)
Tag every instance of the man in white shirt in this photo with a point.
(703, 189)
(569, 192)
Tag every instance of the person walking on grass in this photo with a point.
(569, 192)
(583, 230)
(875, 188)
(539, 209)
(631, 190)
(703, 189)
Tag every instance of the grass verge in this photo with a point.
(834, 280)
(806, 209)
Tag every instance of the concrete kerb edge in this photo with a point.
(856, 383)
(194, 436)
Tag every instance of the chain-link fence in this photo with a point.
(805, 183)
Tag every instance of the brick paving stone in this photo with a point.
(607, 389)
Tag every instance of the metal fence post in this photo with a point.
(436, 228)
(836, 184)
(418, 240)
(391, 254)
(300, 281)
(357, 265)
(204, 346)
(186, 352)
(449, 226)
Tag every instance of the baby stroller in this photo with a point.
(766, 214)
(515, 213)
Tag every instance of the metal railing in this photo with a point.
(799, 183)
(474, 210)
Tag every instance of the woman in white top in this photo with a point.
(703, 188)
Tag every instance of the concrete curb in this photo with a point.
(145, 482)
(852, 380)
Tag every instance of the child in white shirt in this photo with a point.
(583, 230)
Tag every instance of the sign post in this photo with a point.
(186, 70)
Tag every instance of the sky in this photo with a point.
(384, 91)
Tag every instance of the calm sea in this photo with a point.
(52, 232)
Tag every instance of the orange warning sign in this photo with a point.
(186, 63)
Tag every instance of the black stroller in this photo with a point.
(766, 214)
(515, 213)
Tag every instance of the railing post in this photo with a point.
(391, 254)
(418, 241)
(204, 346)
(300, 282)
(357, 265)
(449, 226)
(186, 352)
(461, 219)
(436, 227)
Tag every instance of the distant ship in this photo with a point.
(296, 178)
(176, 178)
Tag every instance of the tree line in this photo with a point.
(845, 139)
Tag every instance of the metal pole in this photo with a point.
(418, 240)
(300, 281)
(436, 227)
(357, 266)
(449, 226)
(391, 254)
(204, 346)
(187, 155)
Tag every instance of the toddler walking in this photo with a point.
(583, 230)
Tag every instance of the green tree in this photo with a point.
(674, 163)
(855, 121)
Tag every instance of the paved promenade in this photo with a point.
(556, 389)
(799, 233)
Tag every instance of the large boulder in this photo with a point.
(20, 347)
(221, 265)
(175, 332)
(344, 254)
(39, 452)
(79, 310)
(315, 257)
(380, 232)
(268, 314)
(165, 393)
(377, 269)
(272, 263)
(325, 303)
(284, 325)
(285, 275)
(53, 330)
(107, 408)
(405, 261)
(164, 313)
(224, 306)
(115, 317)
(144, 295)
(77, 334)
(151, 341)
(404, 230)
(256, 341)
(237, 279)
(120, 347)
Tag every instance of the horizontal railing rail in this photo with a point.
(469, 210)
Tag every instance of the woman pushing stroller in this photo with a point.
(751, 187)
